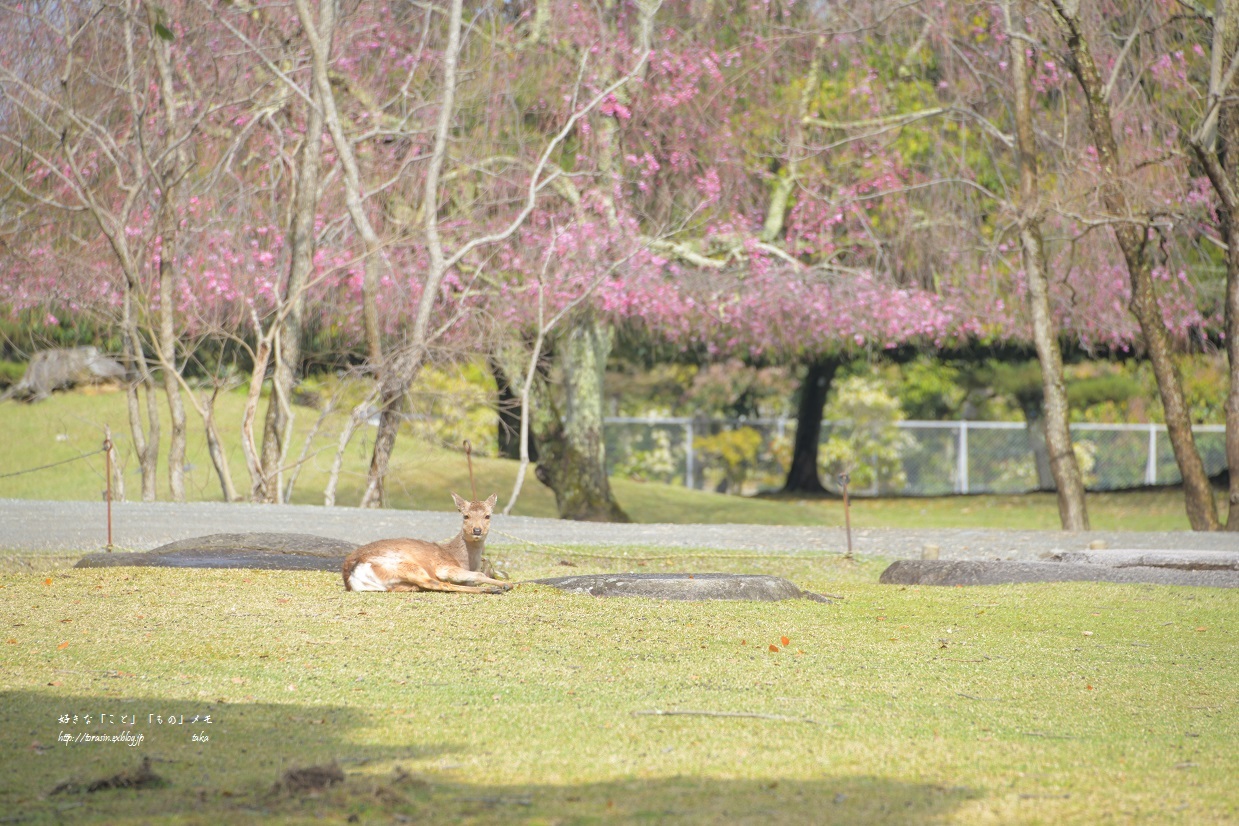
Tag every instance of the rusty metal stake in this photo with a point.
(847, 512)
(107, 461)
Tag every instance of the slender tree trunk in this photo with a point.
(571, 449)
(170, 179)
(802, 476)
(1133, 238)
(145, 437)
(302, 242)
(1063, 466)
(509, 406)
(320, 36)
(215, 447)
(397, 376)
(1219, 154)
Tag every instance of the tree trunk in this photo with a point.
(1061, 459)
(1133, 238)
(145, 438)
(1038, 444)
(215, 446)
(509, 410)
(302, 242)
(170, 179)
(1220, 157)
(802, 476)
(396, 377)
(571, 446)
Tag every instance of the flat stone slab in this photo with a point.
(683, 586)
(964, 572)
(1183, 560)
(262, 551)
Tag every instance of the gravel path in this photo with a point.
(60, 528)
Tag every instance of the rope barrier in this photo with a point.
(53, 464)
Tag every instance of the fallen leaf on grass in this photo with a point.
(774, 648)
(784, 640)
(62, 646)
(47, 581)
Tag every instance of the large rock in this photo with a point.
(967, 572)
(264, 551)
(52, 370)
(1183, 560)
(683, 586)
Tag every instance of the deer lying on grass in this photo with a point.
(417, 565)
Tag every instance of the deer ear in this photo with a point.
(492, 501)
(461, 504)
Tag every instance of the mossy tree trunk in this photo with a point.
(571, 449)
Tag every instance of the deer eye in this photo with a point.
(488, 517)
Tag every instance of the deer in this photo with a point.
(418, 565)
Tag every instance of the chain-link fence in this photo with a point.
(912, 458)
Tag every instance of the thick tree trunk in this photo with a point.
(1132, 235)
(1061, 461)
(571, 446)
(802, 476)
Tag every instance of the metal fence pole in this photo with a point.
(962, 458)
(689, 468)
(1150, 467)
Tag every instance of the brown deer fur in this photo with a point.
(417, 565)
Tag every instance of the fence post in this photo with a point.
(689, 468)
(107, 463)
(961, 483)
(1150, 467)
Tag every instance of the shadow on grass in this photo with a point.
(211, 756)
(227, 770)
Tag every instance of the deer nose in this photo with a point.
(477, 531)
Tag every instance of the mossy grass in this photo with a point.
(1049, 703)
(71, 424)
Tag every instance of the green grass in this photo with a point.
(71, 424)
(1054, 703)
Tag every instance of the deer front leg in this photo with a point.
(462, 577)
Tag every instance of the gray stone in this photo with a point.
(683, 586)
(51, 370)
(263, 551)
(1183, 560)
(965, 572)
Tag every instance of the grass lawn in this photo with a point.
(1052, 703)
(1059, 703)
(71, 424)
